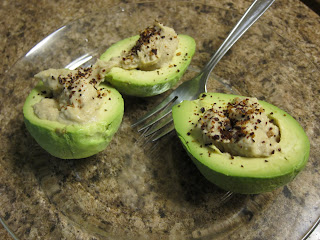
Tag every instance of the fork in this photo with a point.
(191, 89)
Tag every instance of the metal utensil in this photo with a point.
(191, 89)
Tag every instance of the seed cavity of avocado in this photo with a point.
(238, 125)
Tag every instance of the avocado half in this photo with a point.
(77, 140)
(242, 174)
(140, 83)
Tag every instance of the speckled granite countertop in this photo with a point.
(23, 24)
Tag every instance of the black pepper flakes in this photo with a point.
(154, 51)
(216, 137)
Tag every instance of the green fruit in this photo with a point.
(76, 140)
(248, 175)
(149, 83)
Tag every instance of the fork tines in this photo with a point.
(159, 118)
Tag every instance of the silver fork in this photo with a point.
(191, 89)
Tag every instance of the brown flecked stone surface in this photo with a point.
(139, 190)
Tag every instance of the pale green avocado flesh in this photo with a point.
(242, 174)
(77, 140)
(140, 83)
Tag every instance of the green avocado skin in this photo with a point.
(243, 185)
(73, 141)
(240, 174)
(149, 83)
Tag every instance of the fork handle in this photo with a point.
(257, 8)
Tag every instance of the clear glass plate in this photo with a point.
(140, 190)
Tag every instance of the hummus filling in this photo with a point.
(73, 96)
(242, 128)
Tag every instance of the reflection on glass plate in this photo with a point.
(135, 189)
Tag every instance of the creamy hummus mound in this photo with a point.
(72, 96)
(155, 48)
(242, 128)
